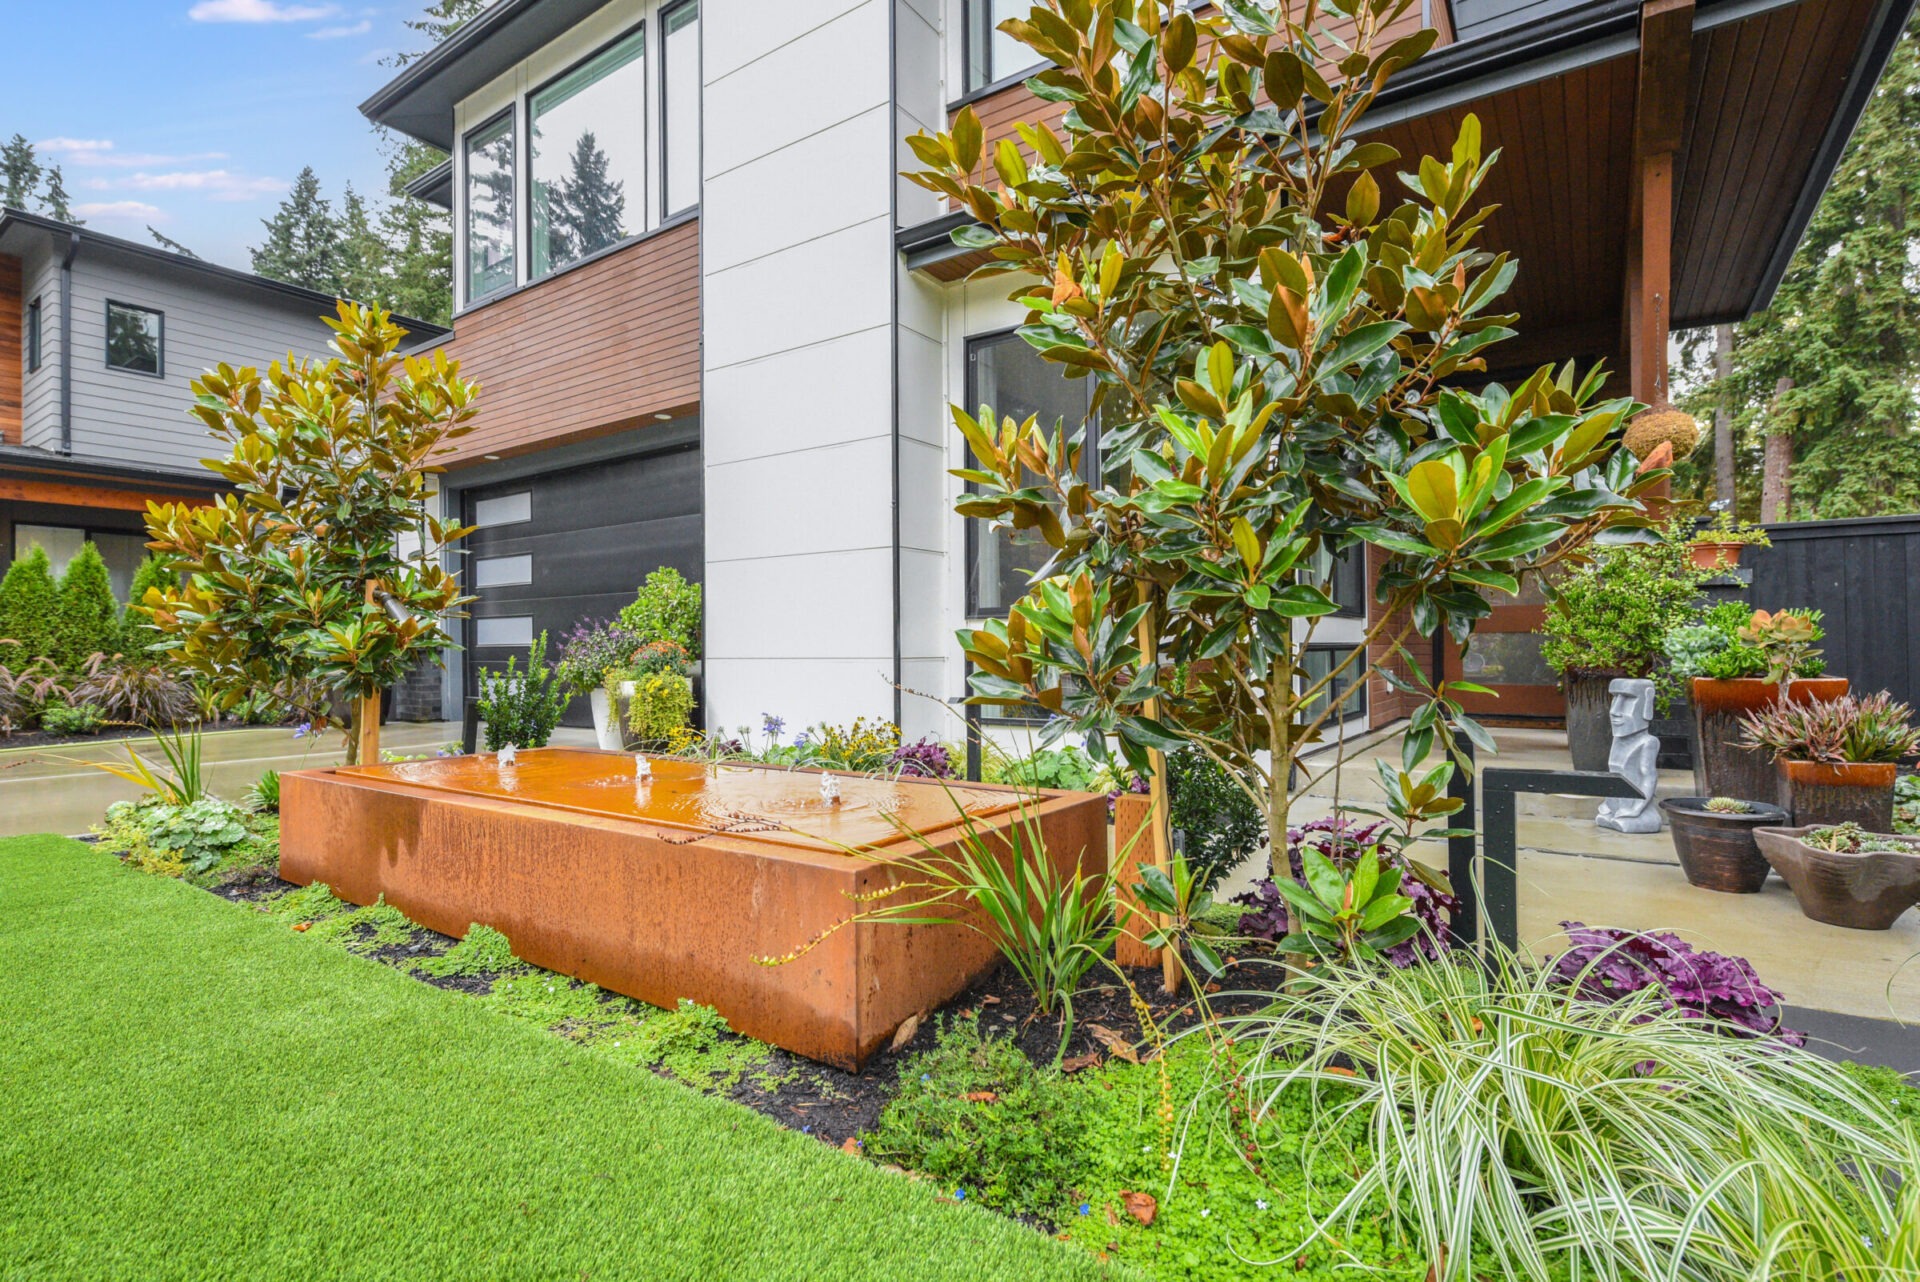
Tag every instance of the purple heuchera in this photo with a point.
(927, 759)
(1609, 964)
(1343, 841)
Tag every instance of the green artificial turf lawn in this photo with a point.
(189, 1089)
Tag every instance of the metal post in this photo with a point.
(1498, 887)
(1460, 850)
(470, 725)
(971, 713)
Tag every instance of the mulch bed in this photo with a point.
(834, 1105)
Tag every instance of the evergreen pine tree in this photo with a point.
(442, 19)
(29, 606)
(135, 634)
(588, 205)
(419, 240)
(88, 621)
(57, 198)
(303, 240)
(169, 244)
(363, 255)
(19, 173)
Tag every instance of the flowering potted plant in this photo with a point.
(1836, 758)
(1717, 545)
(1737, 661)
(587, 654)
(653, 689)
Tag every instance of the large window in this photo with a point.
(33, 336)
(1006, 373)
(680, 101)
(1349, 586)
(993, 55)
(122, 551)
(1350, 687)
(589, 155)
(136, 339)
(489, 200)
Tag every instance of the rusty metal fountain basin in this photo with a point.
(671, 888)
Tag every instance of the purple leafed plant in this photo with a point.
(1609, 964)
(590, 649)
(1342, 841)
(927, 759)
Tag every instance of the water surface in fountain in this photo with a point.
(762, 803)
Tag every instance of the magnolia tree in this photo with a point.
(320, 576)
(1281, 359)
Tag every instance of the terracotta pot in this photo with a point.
(1715, 556)
(1721, 767)
(1716, 849)
(1860, 792)
(1860, 892)
(1589, 732)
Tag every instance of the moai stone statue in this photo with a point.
(1635, 755)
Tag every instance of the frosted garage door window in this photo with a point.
(504, 509)
(502, 571)
(503, 632)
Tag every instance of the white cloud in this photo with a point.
(217, 184)
(136, 209)
(359, 28)
(100, 153)
(258, 11)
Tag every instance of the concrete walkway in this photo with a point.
(1569, 870)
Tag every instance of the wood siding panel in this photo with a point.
(12, 351)
(596, 350)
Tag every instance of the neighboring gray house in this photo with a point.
(106, 336)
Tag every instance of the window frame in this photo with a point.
(32, 335)
(973, 345)
(665, 16)
(1353, 698)
(511, 114)
(1355, 610)
(160, 340)
(524, 103)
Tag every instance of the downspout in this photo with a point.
(893, 342)
(66, 342)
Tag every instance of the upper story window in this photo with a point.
(588, 133)
(489, 202)
(992, 55)
(136, 339)
(680, 107)
(32, 336)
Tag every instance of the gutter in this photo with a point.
(893, 344)
(66, 341)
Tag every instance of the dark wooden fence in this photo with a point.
(1865, 576)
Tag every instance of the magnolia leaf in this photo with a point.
(1432, 488)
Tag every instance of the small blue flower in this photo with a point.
(926, 1077)
(1086, 1208)
(302, 730)
(800, 740)
(772, 725)
(959, 1195)
(806, 1130)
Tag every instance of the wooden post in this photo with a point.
(366, 728)
(1132, 847)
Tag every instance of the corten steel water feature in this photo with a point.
(670, 889)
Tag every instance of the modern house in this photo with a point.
(716, 330)
(102, 340)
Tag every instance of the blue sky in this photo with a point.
(195, 115)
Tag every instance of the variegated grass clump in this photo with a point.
(1523, 1132)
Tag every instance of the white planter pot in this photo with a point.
(606, 726)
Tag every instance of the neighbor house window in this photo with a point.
(1005, 372)
(1350, 687)
(680, 100)
(1349, 586)
(136, 339)
(588, 148)
(490, 207)
(33, 336)
(993, 55)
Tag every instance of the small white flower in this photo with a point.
(1260, 1202)
(1205, 1211)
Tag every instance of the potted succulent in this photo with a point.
(1736, 661)
(587, 654)
(1836, 758)
(653, 693)
(1843, 875)
(1608, 619)
(1717, 545)
(1713, 837)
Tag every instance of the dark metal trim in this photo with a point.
(1498, 889)
(66, 339)
(666, 14)
(33, 321)
(33, 463)
(893, 374)
(423, 187)
(463, 234)
(1883, 32)
(106, 353)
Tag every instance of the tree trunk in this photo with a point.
(1723, 418)
(1160, 825)
(363, 730)
(1776, 481)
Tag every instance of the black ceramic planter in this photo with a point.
(1717, 850)
(1589, 733)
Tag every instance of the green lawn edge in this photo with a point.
(194, 1090)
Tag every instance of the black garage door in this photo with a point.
(564, 546)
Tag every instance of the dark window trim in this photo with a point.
(639, 28)
(511, 115)
(1358, 610)
(33, 335)
(106, 354)
(666, 17)
(499, 295)
(1354, 697)
(973, 344)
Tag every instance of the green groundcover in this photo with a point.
(188, 1089)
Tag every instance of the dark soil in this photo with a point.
(834, 1105)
